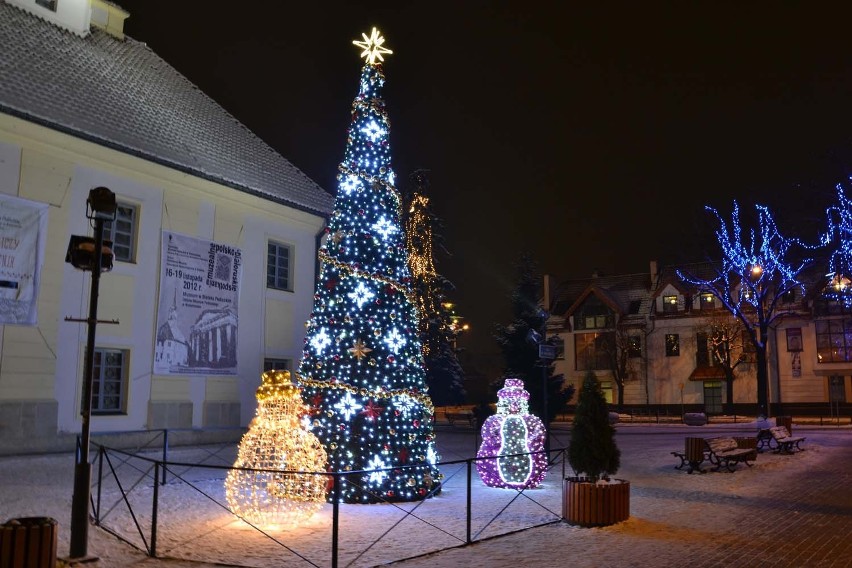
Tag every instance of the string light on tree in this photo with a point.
(362, 366)
(758, 267)
(513, 430)
(439, 326)
(277, 440)
(839, 237)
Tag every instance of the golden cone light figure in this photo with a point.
(277, 440)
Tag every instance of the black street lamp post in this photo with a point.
(91, 254)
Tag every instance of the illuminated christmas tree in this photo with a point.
(277, 440)
(515, 433)
(362, 366)
(439, 326)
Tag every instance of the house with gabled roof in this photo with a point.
(596, 317)
(83, 106)
(668, 332)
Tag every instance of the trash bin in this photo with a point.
(785, 421)
(28, 542)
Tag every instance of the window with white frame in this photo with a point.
(48, 4)
(669, 304)
(834, 340)
(593, 314)
(109, 383)
(590, 351)
(272, 364)
(672, 345)
(707, 301)
(634, 346)
(279, 263)
(122, 232)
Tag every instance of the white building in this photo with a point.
(82, 106)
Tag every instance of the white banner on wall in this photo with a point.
(23, 232)
(197, 316)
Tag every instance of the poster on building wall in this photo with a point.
(197, 316)
(23, 231)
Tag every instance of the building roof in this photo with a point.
(630, 293)
(120, 94)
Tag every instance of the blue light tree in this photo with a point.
(839, 239)
(362, 367)
(758, 268)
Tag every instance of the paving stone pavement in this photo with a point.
(787, 511)
(792, 511)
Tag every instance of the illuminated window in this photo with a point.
(634, 346)
(593, 314)
(708, 301)
(672, 345)
(279, 259)
(606, 389)
(122, 232)
(834, 340)
(110, 379)
(590, 351)
(669, 304)
(270, 364)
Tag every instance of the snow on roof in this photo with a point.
(120, 94)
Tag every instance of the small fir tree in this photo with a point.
(593, 450)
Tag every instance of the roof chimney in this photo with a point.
(654, 272)
(109, 17)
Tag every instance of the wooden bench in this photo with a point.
(785, 441)
(765, 440)
(694, 453)
(453, 417)
(724, 452)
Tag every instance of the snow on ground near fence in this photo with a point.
(668, 509)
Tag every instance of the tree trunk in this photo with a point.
(762, 380)
(620, 385)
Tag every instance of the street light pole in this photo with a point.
(100, 207)
(82, 467)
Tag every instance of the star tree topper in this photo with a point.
(372, 47)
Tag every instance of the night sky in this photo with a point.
(590, 137)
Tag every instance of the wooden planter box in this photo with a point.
(747, 442)
(29, 542)
(589, 505)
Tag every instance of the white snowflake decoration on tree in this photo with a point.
(347, 406)
(394, 340)
(373, 131)
(350, 184)
(404, 404)
(361, 294)
(431, 455)
(376, 464)
(384, 227)
(320, 341)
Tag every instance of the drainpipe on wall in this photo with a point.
(317, 242)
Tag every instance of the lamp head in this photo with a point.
(101, 204)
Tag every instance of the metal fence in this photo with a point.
(177, 509)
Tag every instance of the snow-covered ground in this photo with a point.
(668, 507)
